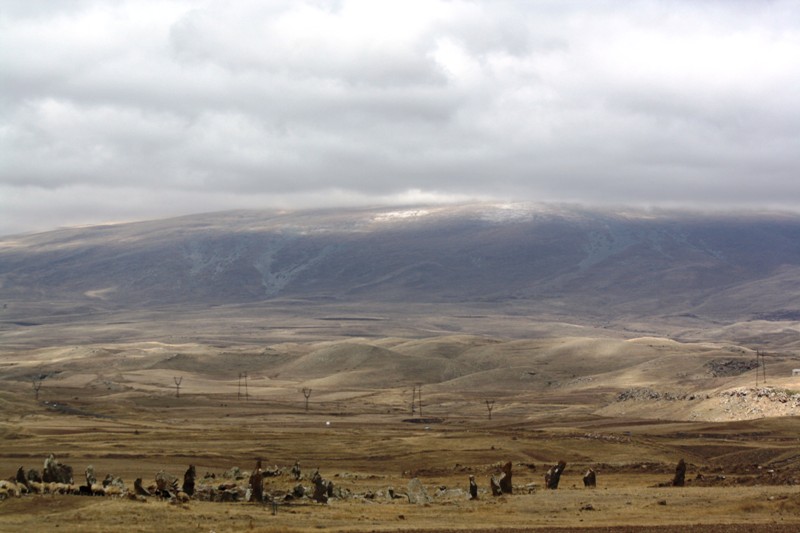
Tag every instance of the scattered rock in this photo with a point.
(234, 473)
(730, 367)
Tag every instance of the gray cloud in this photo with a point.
(117, 110)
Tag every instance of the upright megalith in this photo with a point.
(322, 488)
(494, 484)
(91, 479)
(55, 471)
(188, 480)
(590, 478)
(297, 474)
(21, 479)
(505, 479)
(139, 489)
(501, 481)
(417, 493)
(257, 484)
(473, 488)
(553, 475)
(680, 474)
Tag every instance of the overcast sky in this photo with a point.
(116, 110)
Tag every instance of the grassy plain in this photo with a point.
(115, 407)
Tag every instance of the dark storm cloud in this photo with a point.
(115, 110)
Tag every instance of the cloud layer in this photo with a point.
(115, 110)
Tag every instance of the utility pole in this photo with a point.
(307, 394)
(761, 365)
(37, 384)
(178, 386)
(239, 393)
(413, 400)
(489, 406)
(419, 396)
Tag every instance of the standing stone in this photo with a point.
(296, 473)
(590, 479)
(553, 475)
(188, 480)
(140, 490)
(680, 474)
(417, 493)
(91, 479)
(320, 488)
(257, 484)
(55, 471)
(505, 479)
(21, 479)
(494, 483)
(473, 488)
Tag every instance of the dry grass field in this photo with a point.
(114, 406)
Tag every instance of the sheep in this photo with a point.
(37, 487)
(112, 490)
(9, 488)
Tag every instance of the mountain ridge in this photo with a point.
(559, 260)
